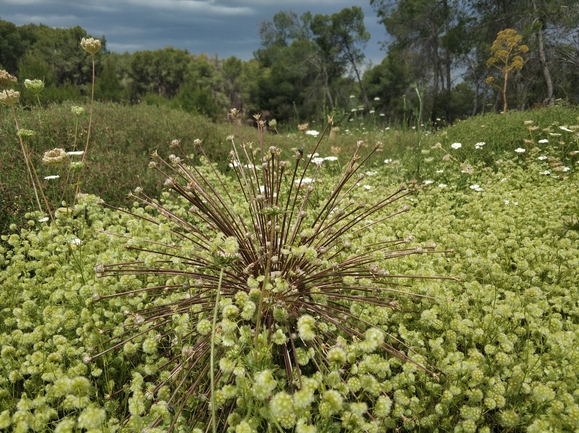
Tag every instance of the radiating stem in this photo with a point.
(212, 353)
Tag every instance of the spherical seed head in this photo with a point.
(6, 78)
(9, 97)
(99, 269)
(91, 45)
(55, 157)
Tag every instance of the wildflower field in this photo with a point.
(385, 281)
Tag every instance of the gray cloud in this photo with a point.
(222, 27)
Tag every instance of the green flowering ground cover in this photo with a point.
(501, 339)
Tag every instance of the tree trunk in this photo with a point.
(448, 65)
(550, 100)
(359, 78)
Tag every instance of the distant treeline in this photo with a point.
(311, 66)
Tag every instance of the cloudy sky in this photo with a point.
(223, 27)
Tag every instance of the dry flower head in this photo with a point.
(91, 45)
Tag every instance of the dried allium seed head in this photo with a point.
(152, 164)
(91, 45)
(9, 97)
(175, 143)
(467, 168)
(55, 157)
(174, 159)
(6, 78)
(303, 127)
(197, 142)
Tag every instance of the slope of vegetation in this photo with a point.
(500, 338)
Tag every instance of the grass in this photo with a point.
(121, 137)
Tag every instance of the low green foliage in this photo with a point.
(502, 340)
(121, 138)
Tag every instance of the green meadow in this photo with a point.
(199, 276)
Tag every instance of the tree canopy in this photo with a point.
(310, 66)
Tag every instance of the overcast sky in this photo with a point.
(223, 27)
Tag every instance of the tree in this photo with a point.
(434, 35)
(290, 86)
(11, 47)
(506, 57)
(297, 76)
(389, 81)
(200, 91)
(160, 71)
(108, 86)
(343, 36)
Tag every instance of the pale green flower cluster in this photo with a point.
(34, 86)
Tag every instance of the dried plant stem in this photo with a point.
(31, 170)
(212, 353)
(77, 188)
